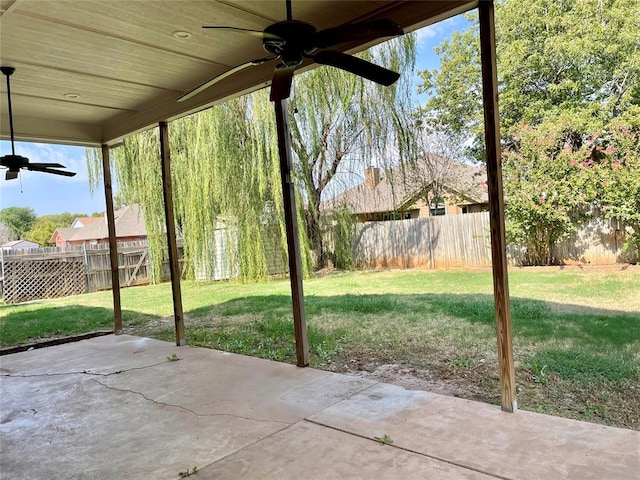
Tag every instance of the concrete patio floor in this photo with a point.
(116, 407)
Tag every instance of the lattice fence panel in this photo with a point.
(43, 278)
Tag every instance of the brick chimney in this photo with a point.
(371, 177)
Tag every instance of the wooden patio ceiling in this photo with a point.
(90, 72)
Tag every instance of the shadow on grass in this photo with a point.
(534, 320)
(29, 322)
(592, 341)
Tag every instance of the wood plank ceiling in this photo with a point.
(90, 72)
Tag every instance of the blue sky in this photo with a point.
(50, 194)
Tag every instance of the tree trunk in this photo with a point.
(314, 229)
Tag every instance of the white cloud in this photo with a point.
(429, 32)
(73, 158)
(47, 193)
(432, 35)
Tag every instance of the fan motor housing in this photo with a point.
(296, 38)
(14, 162)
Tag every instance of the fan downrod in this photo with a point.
(14, 163)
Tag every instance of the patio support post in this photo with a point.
(496, 205)
(293, 242)
(167, 192)
(113, 244)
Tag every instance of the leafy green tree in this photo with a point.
(616, 155)
(555, 176)
(44, 226)
(575, 56)
(5, 234)
(543, 206)
(569, 75)
(18, 219)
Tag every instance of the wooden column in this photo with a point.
(496, 205)
(293, 242)
(165, 155)
(113, 244)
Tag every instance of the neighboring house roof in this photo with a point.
(80, 222)
(401, 186)
(65, 233)
(19, 244)
(128, 221)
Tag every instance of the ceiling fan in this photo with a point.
(291, 41)
(13, 163)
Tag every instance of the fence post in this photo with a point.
(86, 266)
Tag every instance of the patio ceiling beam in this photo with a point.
(293, 242)
(113, 244)
(496, 205)
(174, 268)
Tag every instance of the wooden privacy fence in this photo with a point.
(434, 242)
(464, 240)
(54, 272)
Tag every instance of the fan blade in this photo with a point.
(64, 173)
(222, 76)
(11, 175)
(361, 32)
(52, 165)
(357, 66)
(253, 33)
(281, 83)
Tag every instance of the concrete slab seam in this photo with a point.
(422, 454)
(248, 445)
(172, 405)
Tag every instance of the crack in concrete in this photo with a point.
(85, 372)
(127, 390)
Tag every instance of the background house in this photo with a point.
(129, 224)
(19, 245)
(429, 186)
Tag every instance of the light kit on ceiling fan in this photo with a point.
(292, 41)
(13, 163)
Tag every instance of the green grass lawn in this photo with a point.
(576, 331)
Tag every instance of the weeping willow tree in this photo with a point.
(225, 165)
(226, 181)
(338, 118)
